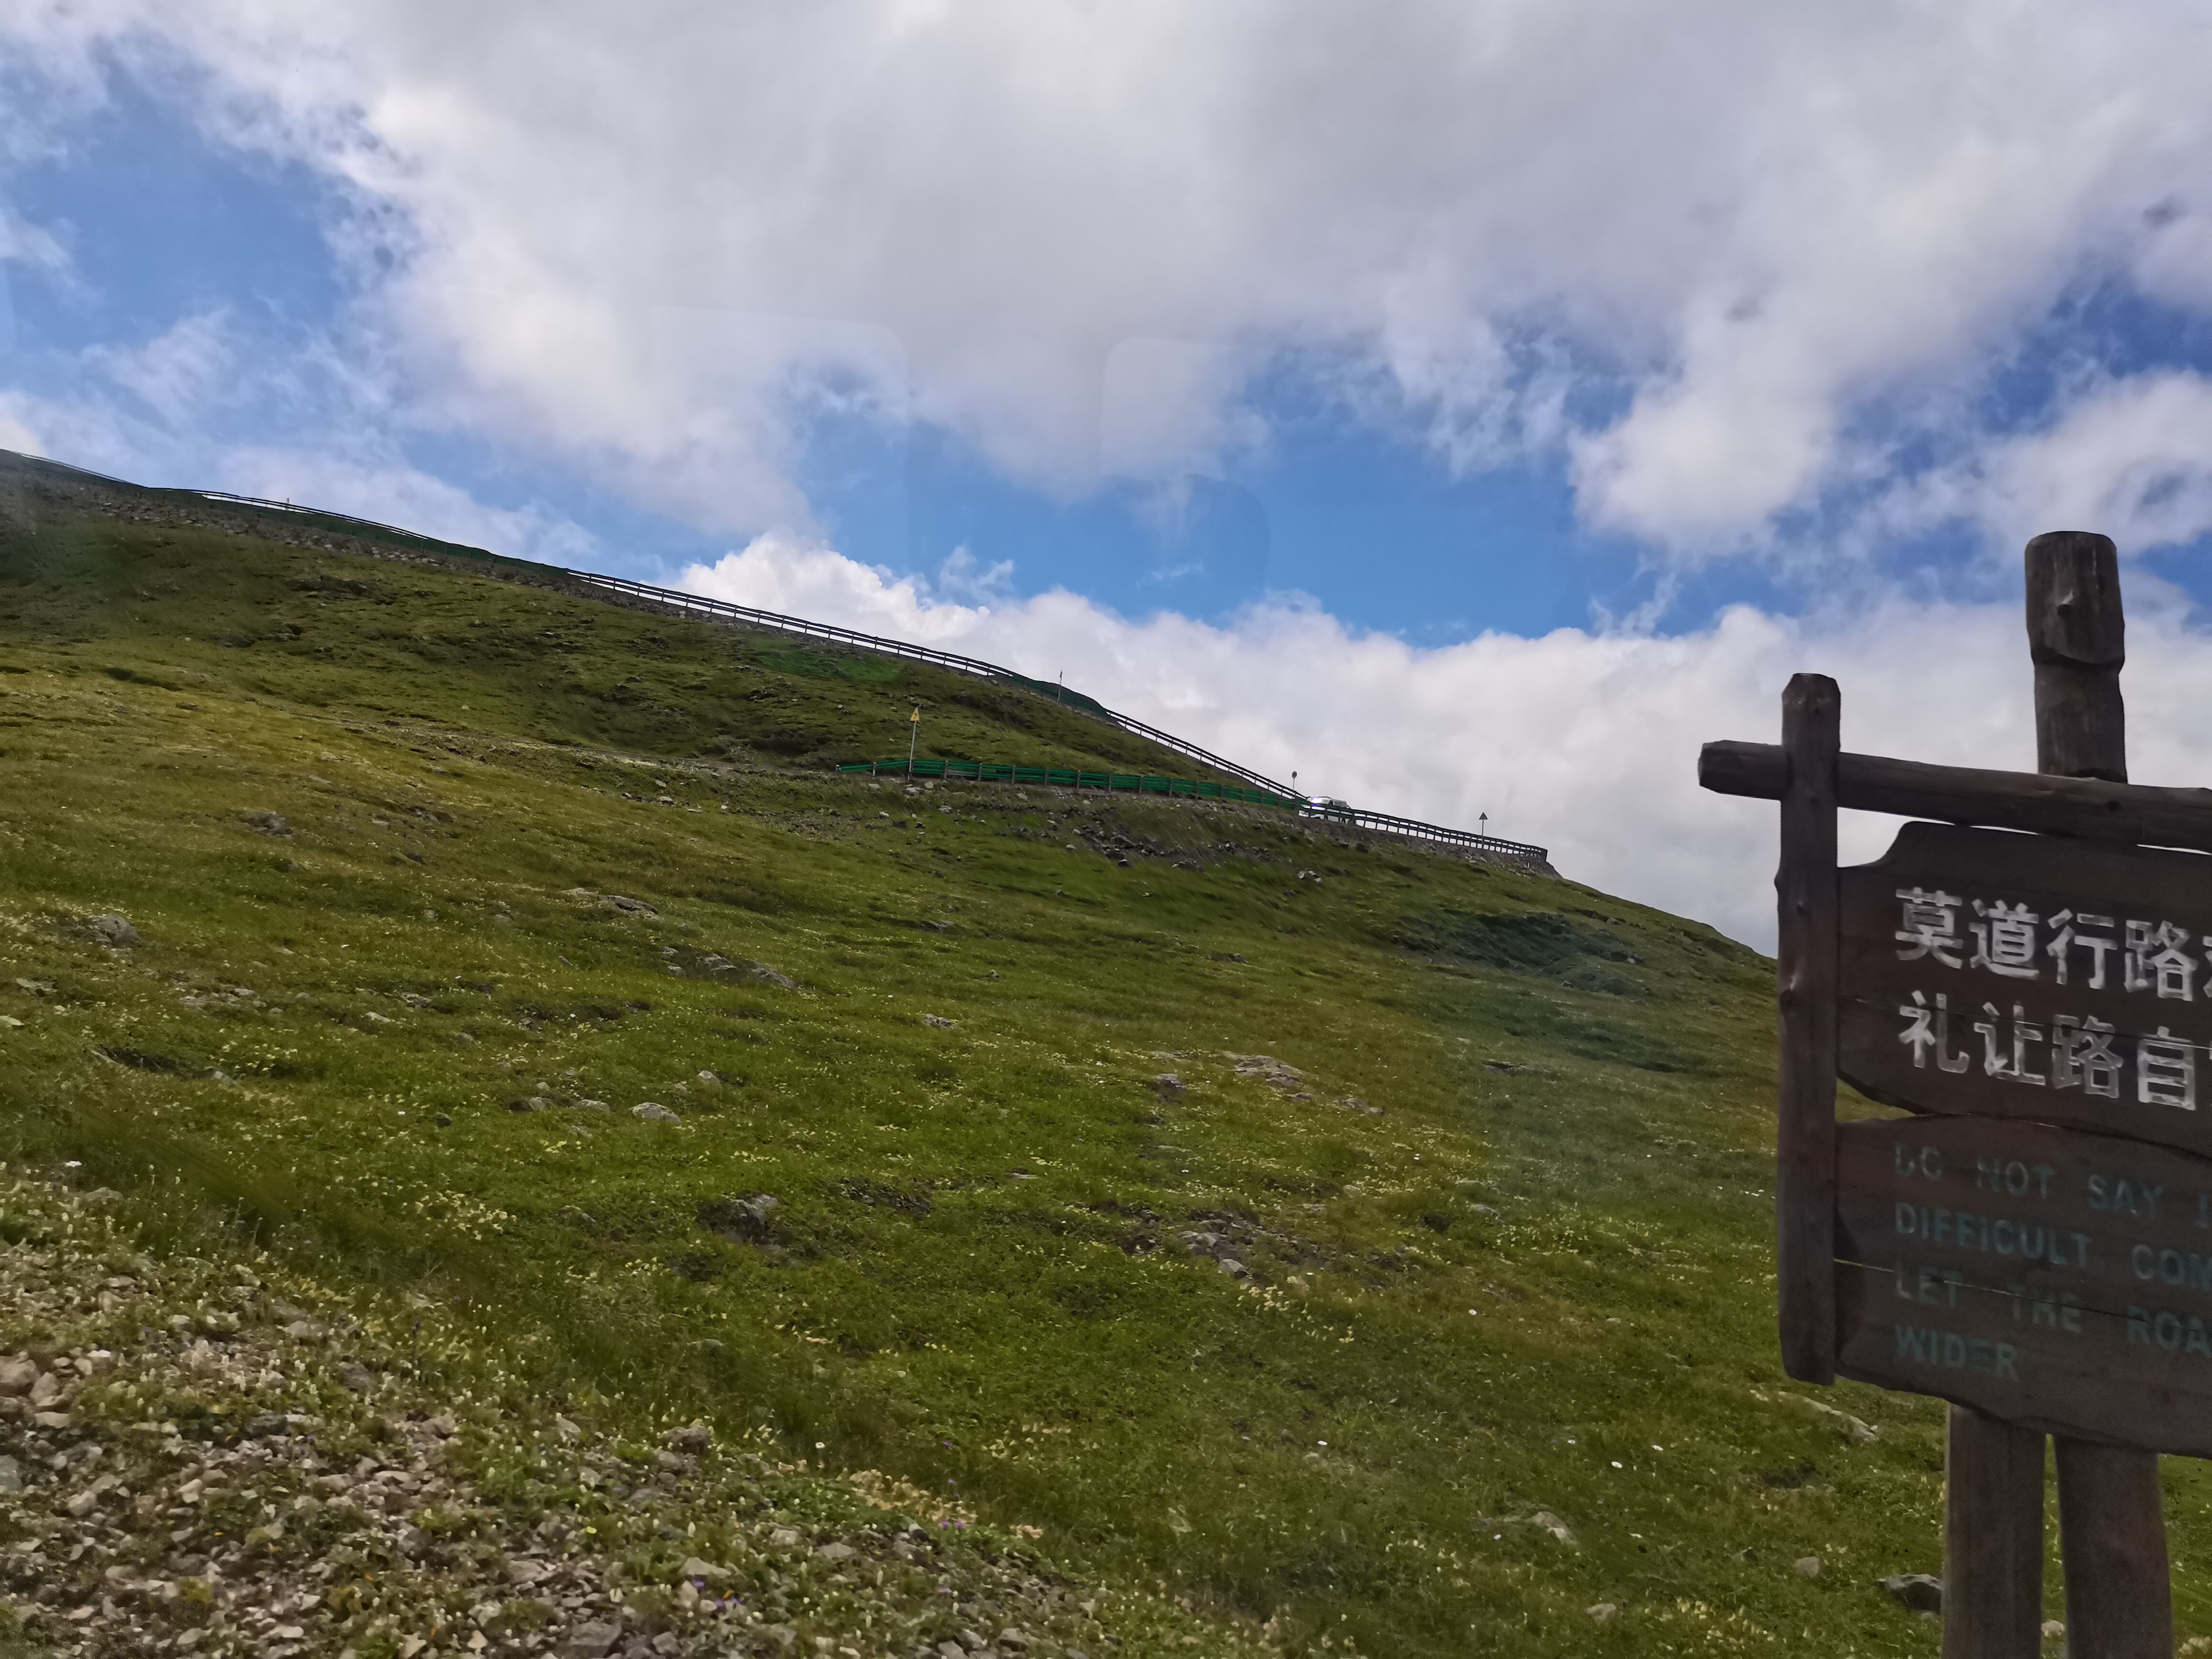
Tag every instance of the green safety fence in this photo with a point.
(1062, 777)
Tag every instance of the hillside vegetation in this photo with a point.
(1227, 1233)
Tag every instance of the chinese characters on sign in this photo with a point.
(2008, 941)
(2020, 976)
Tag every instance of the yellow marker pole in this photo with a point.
(913, 737)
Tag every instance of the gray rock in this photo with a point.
(629, 907)
(593, 1641)
(114, 930)
(1603, 1612)
(749, 1220)
(268, 824)
(11, 1475)
(693, 1439)
(1922, 1592)
(1168, 1086)
(1552, 1523)
(654, 1112)
(938, 1021)
(836, 1552)
(1809, 1566)
(353, 1374)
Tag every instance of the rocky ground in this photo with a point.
(216, 1457)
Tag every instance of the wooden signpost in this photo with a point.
(2033, 1244)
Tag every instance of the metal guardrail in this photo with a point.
(1068, 777)
(1133, 783)
(1420, 831)
(676, 598)
(975, 665)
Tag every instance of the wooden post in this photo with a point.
(2112, 1530)
(1807, 966)
(1992, 1539)
(2112, 1514)
(2076, 636)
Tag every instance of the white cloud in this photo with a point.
(1746, 225)
(398, 495)
(15, 434)
(180, 375)
(1585, 743)
(2131, 458)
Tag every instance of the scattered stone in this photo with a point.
(1921, 1592)
(1501, 1066)
(938, 1021)
(268, 824)
(1603, 1612)
(654, 1112)
(1858, 1434)
(1168, 1086)
(748, 1220)
(1809, 1566)
(1545, 1521)
(113, 931)
(1283, 1079)
(1484, 1210)
(353, 1374)
(1233, 1267)
(122, 1539)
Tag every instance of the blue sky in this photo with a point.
(1445, 324)
(164, 223)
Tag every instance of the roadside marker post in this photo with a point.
(2034, 1243)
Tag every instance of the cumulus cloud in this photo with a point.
(2131, 458)
(1583, 742)
(392, 493)
(1690, 246)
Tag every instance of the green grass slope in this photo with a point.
(1366, 1247)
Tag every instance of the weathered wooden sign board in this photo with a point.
(2029, 977)
(2059, 1277)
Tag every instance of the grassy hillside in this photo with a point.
(1340, 1245)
